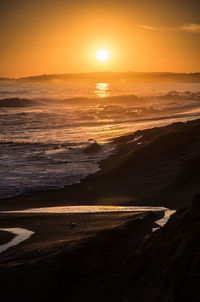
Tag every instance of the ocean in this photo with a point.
(47, 128)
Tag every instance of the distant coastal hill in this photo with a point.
(145, 77)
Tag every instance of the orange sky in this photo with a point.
(59, 36)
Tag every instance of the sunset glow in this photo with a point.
(69, 37)
(99, 111)
(102, 55)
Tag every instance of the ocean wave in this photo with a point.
(112, 100)
(10, 142)
(54, 146)
(127, 98)
(185, 94)
(16, 102)
(14, 92)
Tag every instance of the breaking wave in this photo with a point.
(16, 102)
(51, 139)
(114, 100)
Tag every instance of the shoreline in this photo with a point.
(22, 234)
(140, 152)
(152, 167)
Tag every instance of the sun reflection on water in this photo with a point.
(102, 90)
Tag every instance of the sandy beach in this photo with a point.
(99, 151)
(155, 167)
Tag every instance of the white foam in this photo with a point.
(161, 222)
(21, 235)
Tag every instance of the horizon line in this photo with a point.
(97, 72)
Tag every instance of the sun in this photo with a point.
(102, 55)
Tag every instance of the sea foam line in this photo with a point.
(21, 235)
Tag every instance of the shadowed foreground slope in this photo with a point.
(124, 264)
(168, 266)
(85, 270)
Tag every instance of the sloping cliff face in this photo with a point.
(167, 268)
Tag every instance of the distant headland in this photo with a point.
(150, 77)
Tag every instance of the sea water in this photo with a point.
(45, 128)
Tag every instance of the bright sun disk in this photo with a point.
(102, 55)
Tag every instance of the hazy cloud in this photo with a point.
(149, 27)
(191, 27)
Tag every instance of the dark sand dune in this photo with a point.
(160, 143)
(190, 172)
(167, 268)
(127, 263)
(85, 270)
(163, 168)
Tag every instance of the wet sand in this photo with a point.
(59, 259)
(87, 251)
(22, 234)
(5, 237)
